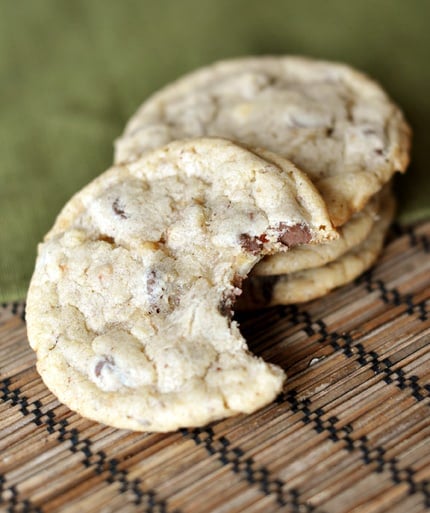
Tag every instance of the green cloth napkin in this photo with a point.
(73, 71)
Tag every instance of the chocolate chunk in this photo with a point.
(250, 243)
(294, 235)
(118, 209)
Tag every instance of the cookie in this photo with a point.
(130, 304)
(333, 122)
(301, 286)
(307, 256)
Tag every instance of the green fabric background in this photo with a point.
(73, 71)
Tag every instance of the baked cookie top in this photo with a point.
(333, 122)
(129, 308)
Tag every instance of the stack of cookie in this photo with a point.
(130, 305)
(333, 122)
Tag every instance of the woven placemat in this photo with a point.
(350, 432)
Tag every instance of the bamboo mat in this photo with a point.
(350, 432)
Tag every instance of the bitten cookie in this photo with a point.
(301, 286)
(334, 123)
(307, 256)
(130, 305)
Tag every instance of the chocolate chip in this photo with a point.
(106, 238)
(294, 235)
(225, 306)
(118, 209)
(237, 281)
(107, 360)
(151, 281)
(329, 131)
(250, 243)
(379, 151)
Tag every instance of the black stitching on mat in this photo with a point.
(16, 308)
(345, 343)
(14, 505)
(415, 240)
(248, 469)
(97, 460)
(396, 230)
(378, 365)
(394, 297)
(369, 456)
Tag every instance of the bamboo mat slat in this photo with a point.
(349, 433)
